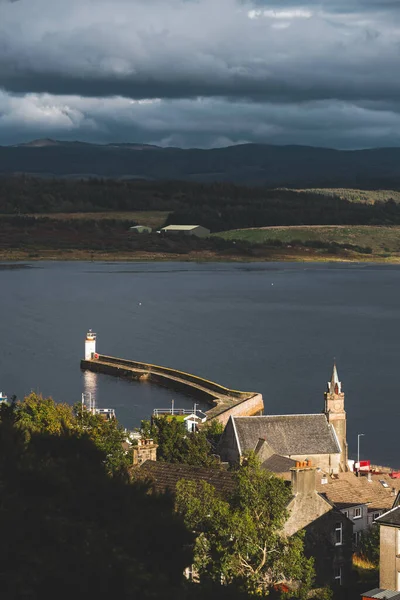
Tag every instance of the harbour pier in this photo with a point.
(223, 401)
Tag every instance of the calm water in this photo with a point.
(272, 328)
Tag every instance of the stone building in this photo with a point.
(328, 532)
(146, 449)
(320, 438)
(336, 415)
(389, 563)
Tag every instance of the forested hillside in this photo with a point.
(218, 206)
(260, 164)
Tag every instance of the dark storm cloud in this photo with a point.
(224, 71)
(176, 49)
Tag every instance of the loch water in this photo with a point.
(273, 328)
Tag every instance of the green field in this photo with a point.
(368, 196)
(380, 238)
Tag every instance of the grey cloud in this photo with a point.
(227, 71)
(176, 49)
(202, 123)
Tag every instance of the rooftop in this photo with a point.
(348, 489)
(180, 227)
(391, 518)
(278, 464)
(165, 476)
(382, 594)
(287, 435)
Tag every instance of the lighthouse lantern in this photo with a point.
(90, 345)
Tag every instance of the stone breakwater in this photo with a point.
(223, 401)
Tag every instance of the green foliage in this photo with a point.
(369, 546)
(68, 528)
(36, 414)
(177, 445)
(240, 537)
(42, 415)
(107, 435)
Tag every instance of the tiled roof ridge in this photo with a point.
(273, 416)
(391, 510)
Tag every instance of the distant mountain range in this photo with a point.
(252, 164)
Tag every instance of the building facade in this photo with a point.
(320, 437)
(336, 415)
(389, 563)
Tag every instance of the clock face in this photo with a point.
(337, 405)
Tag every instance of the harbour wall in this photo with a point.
(223, 401)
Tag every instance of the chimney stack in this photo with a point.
(303, 478)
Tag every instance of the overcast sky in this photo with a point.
(202, 73)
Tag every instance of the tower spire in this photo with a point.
(334, 385)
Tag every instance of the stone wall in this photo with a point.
(329, 463)
(389, 563)
(249, 407)
(224, 402)
(304, 509)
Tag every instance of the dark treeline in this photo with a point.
(35, 234)
(218, 206)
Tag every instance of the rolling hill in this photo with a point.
(255, 164)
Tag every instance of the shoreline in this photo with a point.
(203, 256)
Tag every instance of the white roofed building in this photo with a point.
(196, 230)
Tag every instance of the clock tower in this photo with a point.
(336, 415)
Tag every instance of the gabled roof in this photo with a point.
(347, 488)
(165, 476)
(391, 518)
(288, 435)
(382, 594)
(278, 464)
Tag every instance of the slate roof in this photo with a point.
(391, 518)
(382, 594)
(288, 435)
(347, 488)
(278, 464)
(164, 476)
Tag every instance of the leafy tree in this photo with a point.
(107, 435)
(177, 445)
(36, 414)
(69, 529)
(240, 539)
(369, 546)
(42, 415)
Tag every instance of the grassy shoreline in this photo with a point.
(205, 256)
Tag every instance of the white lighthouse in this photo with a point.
(90, 345)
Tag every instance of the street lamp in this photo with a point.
(358, 449)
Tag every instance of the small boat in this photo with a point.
(3, 398)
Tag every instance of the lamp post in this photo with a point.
(358, 450)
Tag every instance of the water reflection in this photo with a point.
(89, 388)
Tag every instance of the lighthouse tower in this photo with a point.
(90, 345)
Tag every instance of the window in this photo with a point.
(356, 538)
(375, 515)
(337, 575)
(338, 534)
(346, 513)
(357, 513)
(189, 573)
